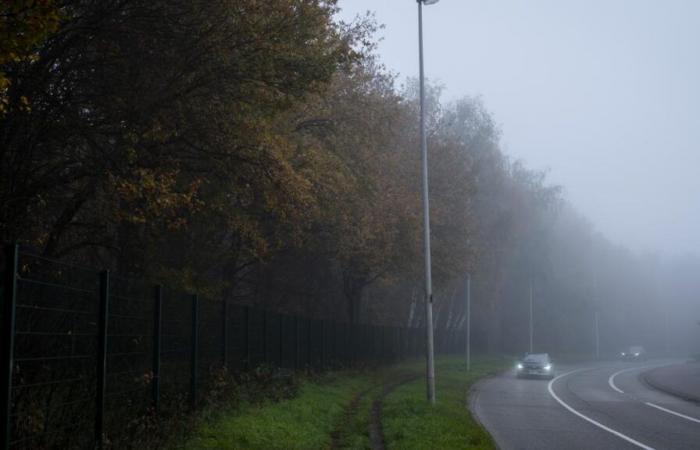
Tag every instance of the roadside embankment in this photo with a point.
(680, 380)
(372, 409)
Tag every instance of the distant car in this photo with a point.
(634, 353)
(535, 365)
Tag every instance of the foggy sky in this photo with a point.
(603, 93)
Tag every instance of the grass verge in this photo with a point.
(306, 421)
(333, 411)
(411, 423)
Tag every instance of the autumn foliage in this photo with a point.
(258, 150)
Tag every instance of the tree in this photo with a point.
(24, 25)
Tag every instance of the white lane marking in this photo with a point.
(692, 419)
(611, 382)
(588, 419)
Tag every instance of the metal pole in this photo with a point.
(102, 321)
(157, 324)
(280, 339)
(193, 354)
(597, 337)
(531, 326)
(308, 342)
(666, 340)
(469, 320)
(246, 337)
(224, 333)
(8, 339)
(323, 344)
(296, 342)
(597, 318)
(264, 336)
(430, 357)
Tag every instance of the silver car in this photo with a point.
(634, 353)
(535, 365)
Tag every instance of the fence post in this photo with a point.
(383, 340)
(352, 352)
(102, 319)
(246, 336)
(397, 343)
(344, 344)
(323, 344)
(157, 323)
(387, 343)
(348, 344)
(369, 336)
(193, 357)
(355, 343)
(296, 342)
(264, 335)
(331, 343)
(8, 338)
(224, 332)
(334, 343)
(361, 344)
(308, 342)
(281, 319)
(397, 339)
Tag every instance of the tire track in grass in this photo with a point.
(347, 418)
(376, 433)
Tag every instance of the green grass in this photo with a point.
(309, 420)
(304, 422)
(354, 430)
(411, 423)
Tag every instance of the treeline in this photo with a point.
(258, 150)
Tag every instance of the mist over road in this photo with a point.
(587, 406)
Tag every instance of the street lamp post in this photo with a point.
(597, 314)
(469, 320)
(430, 357)
(666, 340)
(597, 336)
(531, 324)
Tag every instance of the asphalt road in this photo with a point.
(681, 380)
(587, 406)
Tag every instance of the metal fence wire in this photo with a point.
(88, 356)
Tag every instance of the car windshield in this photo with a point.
(636, 349)
(537, 358)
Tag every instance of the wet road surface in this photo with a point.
(587, 406)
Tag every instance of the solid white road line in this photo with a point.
(692, 419)
(588, 419)
(611, 382)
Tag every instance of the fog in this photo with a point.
(204, 205)
(602, 95)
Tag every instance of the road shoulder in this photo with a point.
(678, 380)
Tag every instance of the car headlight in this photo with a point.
(636, 354)
(623, 354)
(548, 367)
(519, 366)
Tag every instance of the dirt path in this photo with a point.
(376, 433)
(347, 418)
(376, 436)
